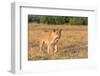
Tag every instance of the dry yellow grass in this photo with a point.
(72, 45)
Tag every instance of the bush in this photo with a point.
(53, 19)
(58, 20)
(78, 21)
(30, 18)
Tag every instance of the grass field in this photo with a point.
(72, 45)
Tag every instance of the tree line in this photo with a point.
(58, 20)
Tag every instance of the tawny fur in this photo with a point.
(51, 39)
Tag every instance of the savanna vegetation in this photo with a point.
(58, 20)
(74, 37)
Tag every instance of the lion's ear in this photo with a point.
(54, 30)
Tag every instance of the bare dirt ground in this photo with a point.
(72, 45)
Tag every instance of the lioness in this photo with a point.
(50, 38)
